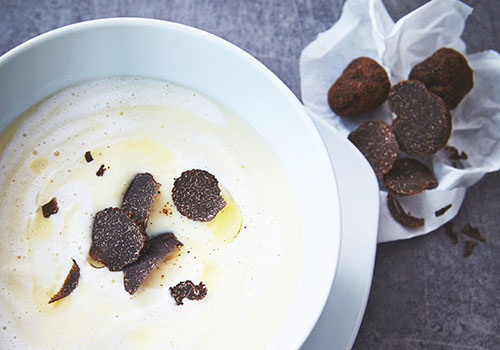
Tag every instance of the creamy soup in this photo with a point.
(249, 257)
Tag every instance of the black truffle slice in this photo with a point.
(196, 194)
(423, 125)
(88, 157)
(409, 176)
(400, 215)
(448, 227)
(469, 247)
(140, 196)
(188, 289)
(442, 210)
(49, 208)
(117, 238)
(69, 284)
(378, 144)
(156, 249)
(447, 74)
(101, 170)
(473, 232)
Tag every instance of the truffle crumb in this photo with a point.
(101, 170)
(450, 232)
(473, 232)
(188, 289)
(49, 208)
(167, 210)
(469, 247)
(400, 215)
(442, 210)
(454, 154)
(88, 157)
(69, 284)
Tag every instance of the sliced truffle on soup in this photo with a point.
(378, 144)
(139, 197)
(408, 177)
(423, 123)
(187, 289)
(197, 195)
(117, 238)
(156, 249)
(362, 87)
(447, 74)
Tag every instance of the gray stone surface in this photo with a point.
(425, 295)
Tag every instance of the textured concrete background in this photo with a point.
(425, 295)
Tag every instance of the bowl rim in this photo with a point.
(322, 296)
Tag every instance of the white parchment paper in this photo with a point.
(366, 29)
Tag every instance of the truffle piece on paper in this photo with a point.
(408, 177)
(447, 74)
(378, 144)
(362, 87)
(469, 247)
(400, 215)
(423, 123)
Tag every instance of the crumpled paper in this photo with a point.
(366, 29)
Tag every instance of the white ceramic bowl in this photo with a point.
(191, 57)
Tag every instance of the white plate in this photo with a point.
(339, 322)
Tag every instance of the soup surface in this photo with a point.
(249, 257)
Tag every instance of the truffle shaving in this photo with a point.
(408, 177)
(69, 284)
(156, 249)
(400, 215)
(454, 154)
